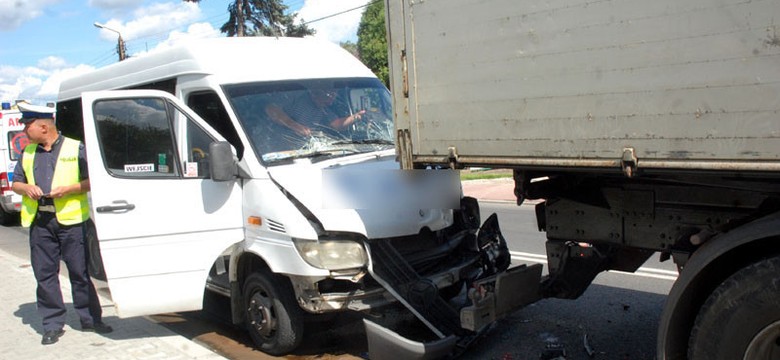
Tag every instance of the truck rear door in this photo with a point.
(161, 221)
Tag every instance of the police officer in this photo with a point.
(52, 178)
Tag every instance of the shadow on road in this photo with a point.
(339, 337)
(618, 324)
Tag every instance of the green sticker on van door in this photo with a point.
(162, 163)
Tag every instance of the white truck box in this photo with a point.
(642, 127)
(671, 84)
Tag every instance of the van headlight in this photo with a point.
(331, 254)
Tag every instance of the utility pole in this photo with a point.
(120, 46)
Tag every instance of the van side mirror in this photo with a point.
(223, 165)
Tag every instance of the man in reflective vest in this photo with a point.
(52, 178)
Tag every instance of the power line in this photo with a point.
(340, 13)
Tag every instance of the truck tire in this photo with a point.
(741, 318)
(273, 319)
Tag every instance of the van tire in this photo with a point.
(8, 218)
(273, 318)
(741, 317)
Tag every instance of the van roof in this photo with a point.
(230, 59)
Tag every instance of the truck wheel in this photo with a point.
(273, 318)
(741, 318)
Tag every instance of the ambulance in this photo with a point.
(198, 190)
(12, 142)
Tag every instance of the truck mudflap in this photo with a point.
(495, 293)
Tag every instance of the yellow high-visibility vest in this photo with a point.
(70, 209)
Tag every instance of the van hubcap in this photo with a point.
(260, 313)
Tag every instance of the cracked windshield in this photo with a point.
(315, 119)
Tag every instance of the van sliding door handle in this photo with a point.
(120, 205)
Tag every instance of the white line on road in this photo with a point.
(642, 271)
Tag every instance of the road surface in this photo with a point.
(616, 318)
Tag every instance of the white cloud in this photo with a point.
(194, 31)
(38, 84)
(16, 12)
(156, 19)
(50, 87)
(338, 28)
(9, 86)
(52, 62)
(114, 4)
(24, 84)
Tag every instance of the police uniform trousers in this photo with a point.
(51, 242)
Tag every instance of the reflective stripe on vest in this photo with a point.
(70, 209)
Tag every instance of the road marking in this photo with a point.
(642, 271)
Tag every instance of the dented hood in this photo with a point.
(370, 195)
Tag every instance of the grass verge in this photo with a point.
(485, 174)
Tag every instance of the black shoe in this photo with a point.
(51, 336)
(100, 328)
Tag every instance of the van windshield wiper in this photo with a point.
(320, 153)
(366, 141)
(311, 155)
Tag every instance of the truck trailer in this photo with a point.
(644, 128)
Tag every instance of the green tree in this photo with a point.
(372, 40)
(262, 18)
(351, 47)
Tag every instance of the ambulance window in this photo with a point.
(17, 140)
(136, 138)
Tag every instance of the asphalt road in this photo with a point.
(616, 318)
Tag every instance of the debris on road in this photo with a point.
(586, 343)
(553, 351)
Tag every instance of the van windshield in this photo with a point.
(314, 119)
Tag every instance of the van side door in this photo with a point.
(161, 221)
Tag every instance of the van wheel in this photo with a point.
(741, 318)
(273, 319)
(7, 218)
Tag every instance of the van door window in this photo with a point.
(135, 137)
(197, 147)
(209, 107)
(70, 119)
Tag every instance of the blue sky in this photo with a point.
(45, 41)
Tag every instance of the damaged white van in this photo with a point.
(207, 175)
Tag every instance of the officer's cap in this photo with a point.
(34, 112)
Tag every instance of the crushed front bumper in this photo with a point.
(495, 292)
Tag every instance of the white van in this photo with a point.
(195, 186)
(12, 142)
